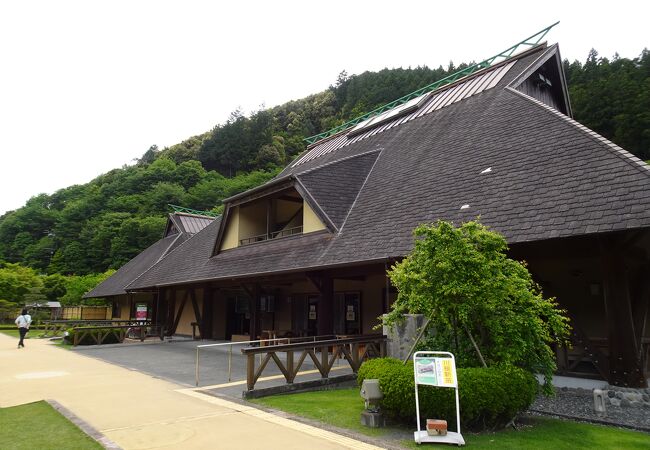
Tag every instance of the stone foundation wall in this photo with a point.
(402, 336)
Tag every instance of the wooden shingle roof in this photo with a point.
(529, 172)
(180, 227)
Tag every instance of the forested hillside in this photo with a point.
(90, 228)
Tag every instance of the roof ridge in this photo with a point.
(347, 158)
(615, 149)
(359, 192)
(438, 90)
(192, 236)
(167, 250)
(460, 74)
(319, 207)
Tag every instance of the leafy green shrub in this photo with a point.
(90, 337)
(483, 305)
(489, 397)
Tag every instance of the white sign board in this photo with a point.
(434, 371)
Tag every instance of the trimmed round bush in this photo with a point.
(489, 397)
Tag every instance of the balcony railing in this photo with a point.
(273, 235)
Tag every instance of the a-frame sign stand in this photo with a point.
(436, 369)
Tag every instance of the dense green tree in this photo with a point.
(134, 235)
(77, 286)
(17, 282)
(54, 287)
(482, 305)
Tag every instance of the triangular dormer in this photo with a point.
(314, 200)
(544, 80)
(282, 211)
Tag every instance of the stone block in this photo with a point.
(373, 419)
(402, 336)
(599, 402)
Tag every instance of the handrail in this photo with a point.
(129, 325)
(301, 345)
(271, 235)
(257, 341)
(354, 350)
(54, 327)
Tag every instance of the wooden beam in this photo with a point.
(254, 327)
(625, 366)
(288, 198)
(325, 319)
(171, 310)
(641, 307)
(197, 312)
(180, 312)
(208, 308)
(315, 278)
(248, 290)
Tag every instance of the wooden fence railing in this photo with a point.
(354, 349)
(98, 335)
(57, 327)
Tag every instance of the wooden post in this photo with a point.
(290, 369)
(250, 371)
(255, 327)
(155, 306)
(171, 310)
(206, 316)
(197, 314)
(325, 320)
(625, 366)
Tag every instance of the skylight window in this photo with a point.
(393, 113)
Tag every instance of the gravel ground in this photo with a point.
(579, 404)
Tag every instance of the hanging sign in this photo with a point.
(433, 371)
(141, 311)
(350, 316)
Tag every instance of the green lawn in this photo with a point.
(39, 426)
(12, 333)
(34, 334)
(342, 408)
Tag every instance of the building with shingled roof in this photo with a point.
(307, 252)
(181, 225)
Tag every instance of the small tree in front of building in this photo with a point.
(481, 305)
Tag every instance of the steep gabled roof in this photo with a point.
(529, 171)
(179, 228)
(335, 186)
(115, 284)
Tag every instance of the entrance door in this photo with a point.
(238, 321)
(347, 313)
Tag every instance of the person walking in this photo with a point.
(23, 321)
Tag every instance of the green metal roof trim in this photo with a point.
(182, 209)
(502, 56)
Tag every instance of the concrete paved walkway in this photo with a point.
(137, 411)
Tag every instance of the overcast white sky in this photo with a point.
(86, 86)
